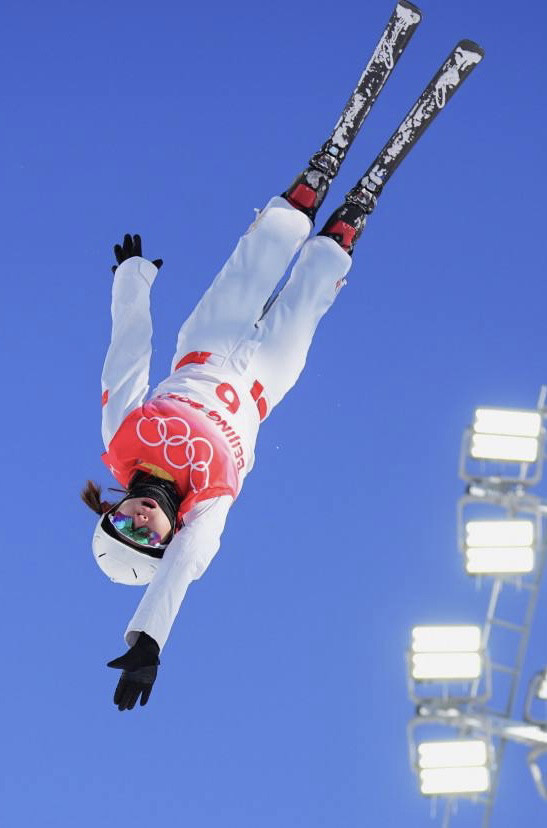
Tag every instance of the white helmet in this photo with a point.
(121, 551)
(123, 562)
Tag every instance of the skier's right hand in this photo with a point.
(131, 247)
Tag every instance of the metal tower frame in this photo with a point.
(474, 716)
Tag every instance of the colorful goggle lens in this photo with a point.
(143, 536)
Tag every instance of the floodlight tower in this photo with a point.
(454, 682)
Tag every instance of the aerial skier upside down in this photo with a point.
(183, 452)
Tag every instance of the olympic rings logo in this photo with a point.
(197, 452)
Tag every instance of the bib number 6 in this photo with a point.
(228, 396)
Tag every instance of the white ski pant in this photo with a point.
(225, 321)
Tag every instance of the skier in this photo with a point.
(182, 454)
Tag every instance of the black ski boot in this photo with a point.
(345, 226)
(348, 221)
(308, 190)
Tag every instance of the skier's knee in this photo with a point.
(282, 224)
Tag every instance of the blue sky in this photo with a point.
(281, 698)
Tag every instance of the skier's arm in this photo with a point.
(185, 560)
(125, 372)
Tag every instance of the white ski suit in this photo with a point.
(228, 367)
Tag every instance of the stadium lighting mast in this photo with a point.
(465, 700)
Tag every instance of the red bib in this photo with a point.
(175, 441)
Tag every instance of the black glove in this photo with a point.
(140, 668)
(131, 247)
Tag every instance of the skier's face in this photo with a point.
(146, 512)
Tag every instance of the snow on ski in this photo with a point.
(310, 187)
(401, 26)
(456, 68)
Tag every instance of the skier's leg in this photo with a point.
(286, 332)
(230, 307)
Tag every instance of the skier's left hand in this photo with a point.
(140, 668)
(132, 246)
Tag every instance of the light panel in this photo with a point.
(456, 753)
(446, 666)
(499, 546)
(518, 560)
(439, 781)
(507, 421)
(499, 533)
(503, 448)
(446, 639)
(542, 690)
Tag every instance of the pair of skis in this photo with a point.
(310, 187)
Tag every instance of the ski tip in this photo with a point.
(471, 46)
(411, 7)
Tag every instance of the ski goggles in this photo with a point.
(143, 536)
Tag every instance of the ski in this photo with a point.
(347, 221)
(395, 38)
(310, 187)
(456, 68)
